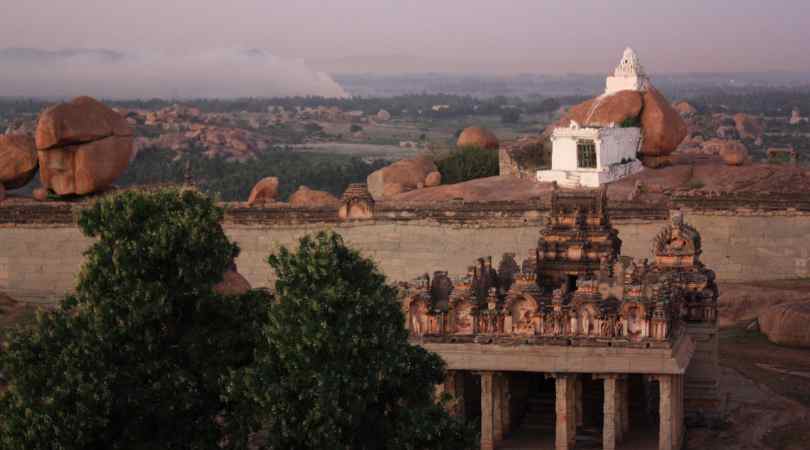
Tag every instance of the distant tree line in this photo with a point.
(233, 180)
(767, 101)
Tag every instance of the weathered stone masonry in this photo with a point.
(41, 248)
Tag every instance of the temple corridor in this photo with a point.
(540, 411)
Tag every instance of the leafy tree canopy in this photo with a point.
(467, 164)
(136, 358)
(337, 370)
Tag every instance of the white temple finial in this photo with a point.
(629, 74)
(629, 65)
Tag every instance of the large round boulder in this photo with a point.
(685, 108)
(787, 324)
(18, 160)
(83, 147)
(662, 127)
(433, 179)
(477, 137)
(748, 127)
(265, 191)
(305, 197)
(618, 108)
(409, 174)
(84, 119)
(734, 153)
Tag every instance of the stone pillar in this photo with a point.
(578, 394)
(619, 409)
(506, 390)
(666, 439)
(487, 405)
(610, 432)
(625, 406)
(497, 407)
(565, 409)
(678, 414)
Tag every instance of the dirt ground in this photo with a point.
(765, 388)
(765, 391)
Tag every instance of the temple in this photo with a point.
(576, 345)
(589, 155)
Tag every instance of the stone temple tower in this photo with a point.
(629, 75)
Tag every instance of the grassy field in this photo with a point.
(439, 133)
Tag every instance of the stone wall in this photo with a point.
(40, 261)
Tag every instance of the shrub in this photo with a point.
(631, 122)
(510, 116)
(338, 370)
(136, 358)
(468, 164)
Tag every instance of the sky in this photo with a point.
(394, 36)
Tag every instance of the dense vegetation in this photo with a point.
(468, 164)
(765, 101)
(232, 181)
(147, 355)
(137, 357)
(337, 370)
(400, 106)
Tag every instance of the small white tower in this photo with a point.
(629, 75)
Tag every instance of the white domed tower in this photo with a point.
(629, 75)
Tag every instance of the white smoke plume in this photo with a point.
(116, 75)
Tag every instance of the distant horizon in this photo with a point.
(232, 73)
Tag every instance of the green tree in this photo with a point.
(338, 371)
(137, 357)
(510, 115)
(468, 164)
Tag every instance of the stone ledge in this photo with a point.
(550, 359)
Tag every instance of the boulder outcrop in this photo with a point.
(433, 179)
(786, 324)
(605, 110)
(83, 146)
(477, 137)
(748, 127)
(401, 176)
(662, 127)
(40, 194)
(684, 108)
(305, 197)
(734, 153)
(82, 120)
(265, 191)
(18, 160)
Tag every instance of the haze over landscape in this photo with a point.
(202, 48)
(405, 224)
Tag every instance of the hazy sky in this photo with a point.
(497, 36)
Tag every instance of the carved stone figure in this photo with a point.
(440, 290)
(507, 271)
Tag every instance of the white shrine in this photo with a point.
(590, 156)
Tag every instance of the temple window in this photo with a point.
(586, 154)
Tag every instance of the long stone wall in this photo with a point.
(40, 261)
